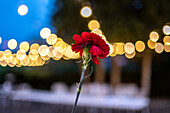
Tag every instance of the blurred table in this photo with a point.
(86, 103)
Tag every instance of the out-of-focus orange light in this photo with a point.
(159, 48)
(140, 46)
(93, 24)
(154, 36)
(129, 48)
(151, 44)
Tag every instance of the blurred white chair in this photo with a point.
(127, 89)
(7, 86)
(98, 89)
(59, 87)
(23, 87)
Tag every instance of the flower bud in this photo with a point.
(86, 56)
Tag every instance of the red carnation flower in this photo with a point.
(98, 47)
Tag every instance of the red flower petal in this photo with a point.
(77, 38)
(95, 59)
(94, 50)
(76, 47)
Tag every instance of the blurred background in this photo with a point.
(140, 82)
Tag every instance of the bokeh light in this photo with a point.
(10, 64)
(93, 24)
(97, 31)
(22, 10)
(129, 48)
(114, 52)
(14, 60)
(167, 48)
(34, 48)
(151, 44)
(120, 48)
(33, 56)
(166, 40)
(50, 51)
(166, 29)
(140, 46)
(21, 54)
(3, 63)
(12, 44)
(52, 39)
(1, 55)
(42, 50)
(45, 32)
(45, 57)
(159, 48)
(86, 12)
(111, 49)
(154, 36)
(7, 54)
(57, 54)
(130, 56)
(24, 46)
(68, 52)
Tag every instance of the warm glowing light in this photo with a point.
(14, 60)
(50, 51)
(34, 48)
(10, 64)
(33, 56)
(129, 48)
(151, 44)
(68, 52)
(42, 50)
(45, 57)
(120, 48)
(166, 29)
(75, 56)
(166, 40)
(93, 24)
(97, 31)
(104, 37)
(159, 48)
(26, 61)
(154, 36)
(45, 32)
(18, 64)
(1, 55)
(12, 44)
(130, 56)
(86, 12)
(57, 54)
(21, 54)
(3, 63)
(24, 46)
(7, 54)
(65, 58)
(52, 39)
(60, 46)
(22, 10)
(167, 48)
(114, 52)
(39, 61)
(140, 46)
(111, 49)
(0, 40)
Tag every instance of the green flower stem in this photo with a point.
(86, 59)
(79, 90)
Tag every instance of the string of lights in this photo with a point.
(56, 48)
